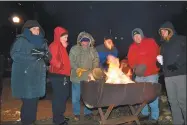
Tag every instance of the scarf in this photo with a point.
(37, 40)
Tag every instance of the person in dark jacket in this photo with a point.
(173, 60)
(30, 54)
(2, 58)
(106, 49)
(60, 71)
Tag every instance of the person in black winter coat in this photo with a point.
(173, 61)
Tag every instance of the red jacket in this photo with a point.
(60, 63)
(144, 53)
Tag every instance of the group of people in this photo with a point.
(31, 56)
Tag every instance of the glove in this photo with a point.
(38, 53)
(79, 71)
(160, 59)
(172, 67)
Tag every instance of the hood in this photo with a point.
(85, 35)
(168, 26)
(138, 30)
(32, 23)
(58, 31)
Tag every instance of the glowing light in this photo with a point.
(16, 19)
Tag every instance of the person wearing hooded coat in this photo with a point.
(59, 73)
(84, 58)
(30, 54)
(173, 62)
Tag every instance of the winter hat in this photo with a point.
(85, 39)
(137, 31)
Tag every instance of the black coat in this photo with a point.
(174, 52)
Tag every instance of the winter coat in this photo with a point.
(173, 50)
(83, 58)
(28, 76)
(144, 53)
(59, 55)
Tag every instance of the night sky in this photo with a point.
(97, 18)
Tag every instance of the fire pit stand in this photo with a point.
(98, 95)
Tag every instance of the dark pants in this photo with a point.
(29, 110)
(60, 96)
(176, 91)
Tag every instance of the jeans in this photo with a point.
(60, 96)
(28, 110)
(153, 105)
(76, 100)
(176, 91)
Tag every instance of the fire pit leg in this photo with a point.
(105, 116)
(136, 113)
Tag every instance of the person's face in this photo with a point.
(35, 30)
(63, 40)
(84, 44)
(164, 33)
(108, 43)
(137, 38)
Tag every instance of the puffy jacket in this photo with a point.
(144, 53)
(60, 63)
(173, 50)
(83, 58)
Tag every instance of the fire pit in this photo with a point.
(98, 94)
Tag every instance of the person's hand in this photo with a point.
(160, 59)
(38, 53)
(79, 71)
(172, 67)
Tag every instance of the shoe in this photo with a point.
(66, 119)
(88, 116)
(76, 117)
(153, 121)
(143, 117)
(64, 123)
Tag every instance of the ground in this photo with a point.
(10, 110)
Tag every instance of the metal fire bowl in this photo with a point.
(100, 94)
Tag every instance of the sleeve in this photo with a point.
(72, 57)
(116, 52)
(48, 53)
(19, 54)
(96, 59)
(131, 57)
(53, 50)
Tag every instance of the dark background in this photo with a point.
(97, 18)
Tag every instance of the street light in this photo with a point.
(16, 20)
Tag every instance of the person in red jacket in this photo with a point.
(59, 73)
(142, 59)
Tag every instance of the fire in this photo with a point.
(115, 74)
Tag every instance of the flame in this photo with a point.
(115, 74)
